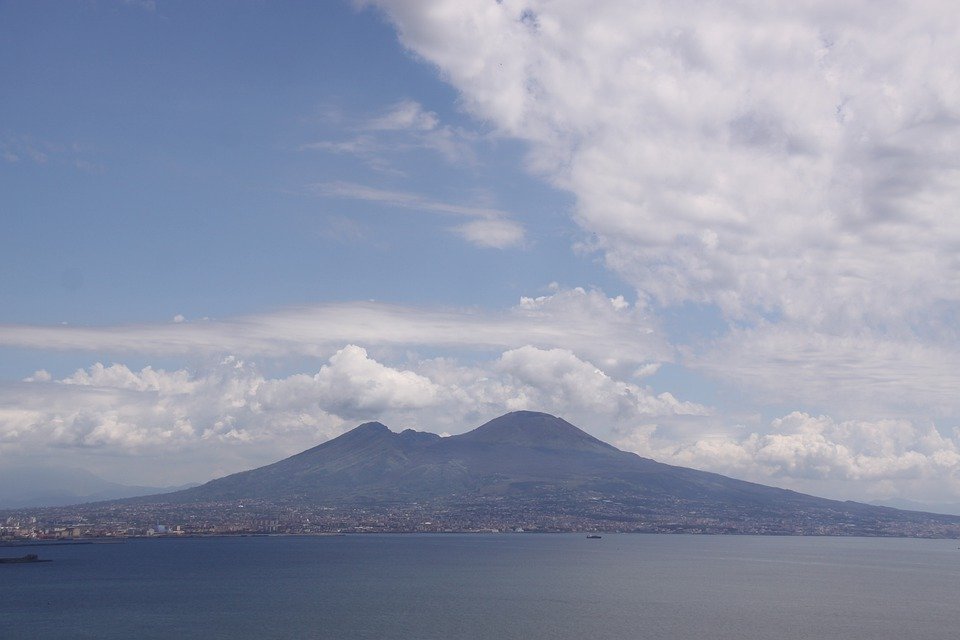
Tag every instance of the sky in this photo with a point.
(721, 235)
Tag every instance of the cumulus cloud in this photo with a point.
(118, 376)
(235, 401)
(868, 459)
(748, 154)
(122, 410)
(557, 378)
(231, 416)
(790, 165)
(40, 375)
(353, 385)
(552, 380)
(228, 412)
(232, 407)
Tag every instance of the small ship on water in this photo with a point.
(30, 557)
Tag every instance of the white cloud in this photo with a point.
(587, 322)
(750, 155)
(230, 416)
(557, 379)
(405, 115)
(797, 166)
(402, 199)
(852, 458)
(17, 147)
(383, 141)
(353, 385)
(490, 228)
(867, 374)
(497, 234)
(146, 5)
(551, 380)
(118, 376)
(40, 375)
(231, 407)
(407, 126)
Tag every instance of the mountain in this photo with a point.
(534, 468)
(23, 486)
(515, 454)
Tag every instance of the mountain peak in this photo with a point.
(371, 427)
(368, 431)
(535, 429)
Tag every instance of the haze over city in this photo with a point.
(722, 238)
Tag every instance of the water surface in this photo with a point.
(487, 586)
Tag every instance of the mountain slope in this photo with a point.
(527, 463)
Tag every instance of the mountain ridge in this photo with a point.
(532, 466)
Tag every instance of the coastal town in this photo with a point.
(127, 520)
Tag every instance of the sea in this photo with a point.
(496, 586)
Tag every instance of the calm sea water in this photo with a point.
(487, 586)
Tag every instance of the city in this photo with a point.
(251, 517)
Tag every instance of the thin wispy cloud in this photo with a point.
(403, 129)
(15, 149)
(406, 115)
(20, 148)
(403, 199)
(587, 322)
(494, 228)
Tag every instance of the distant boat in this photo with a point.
(30, 557)
(594, 537)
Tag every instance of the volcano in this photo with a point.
(533, 465)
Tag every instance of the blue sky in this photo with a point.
(722, 239)
(175, 178)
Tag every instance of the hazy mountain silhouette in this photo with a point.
(32, 486)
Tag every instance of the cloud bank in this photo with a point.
(796, 167)
(745, 154)
(114, 410)
(233, 413)
(873, 460)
